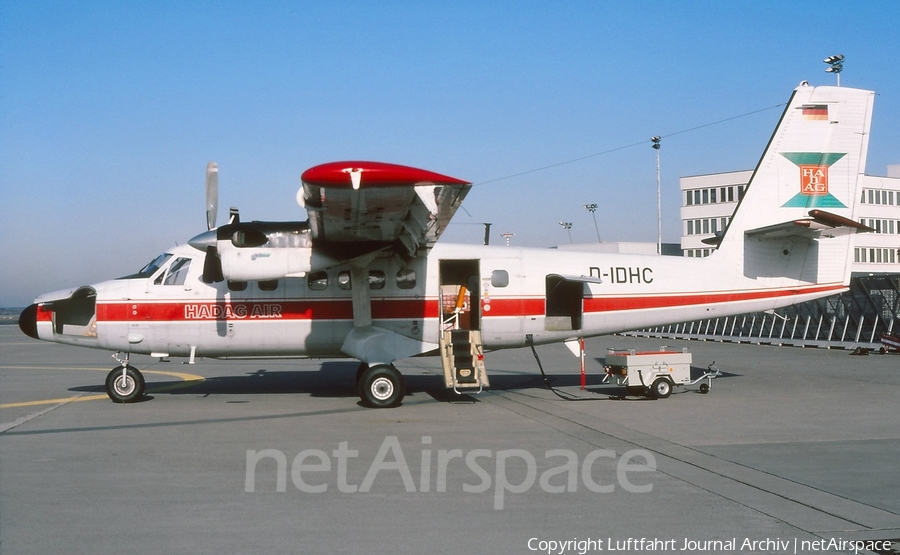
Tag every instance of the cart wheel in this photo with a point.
(704, 388)
(882, 350)
(661, 388)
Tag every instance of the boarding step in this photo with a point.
(462, 357)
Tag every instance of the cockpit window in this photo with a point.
(176, 273)
(151, 268)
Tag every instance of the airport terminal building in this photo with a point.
(855, 318)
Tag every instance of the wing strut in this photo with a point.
(368, 343)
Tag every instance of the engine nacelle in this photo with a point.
(266, 263)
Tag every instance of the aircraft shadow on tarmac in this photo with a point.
(336, 379)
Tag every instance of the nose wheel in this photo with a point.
(125, 384)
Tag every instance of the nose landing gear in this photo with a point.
(125, 383)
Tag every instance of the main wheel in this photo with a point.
(127, 388)
(661, 388)
(381, 386)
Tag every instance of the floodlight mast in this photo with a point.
(568, 227)
(592, 208)
(655, 140)
(835, 65)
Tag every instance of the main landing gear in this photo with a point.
(125, 383)
(380, 386)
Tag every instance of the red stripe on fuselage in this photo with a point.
(342, 309)
(174, 311)
(610, 304)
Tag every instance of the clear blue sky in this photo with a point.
(110, 111)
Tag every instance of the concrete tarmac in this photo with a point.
(792, 451)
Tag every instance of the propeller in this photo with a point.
(212, 194)
(212, 264)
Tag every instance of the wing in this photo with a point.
(375, 203)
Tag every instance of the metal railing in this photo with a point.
(855, 318)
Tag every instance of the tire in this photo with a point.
(381, 386)
(661, 388)
(704, 388)
(128, 390)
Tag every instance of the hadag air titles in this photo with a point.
(366, 277)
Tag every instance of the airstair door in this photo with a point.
(462, 353)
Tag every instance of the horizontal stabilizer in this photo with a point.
(818, 224)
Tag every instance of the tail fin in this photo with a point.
(796, 219)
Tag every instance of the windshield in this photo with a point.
(150, 268)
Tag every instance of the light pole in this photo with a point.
(655, 141)
(835, 66)
(568, 227)
(592, 208)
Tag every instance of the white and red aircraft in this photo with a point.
(366, 278)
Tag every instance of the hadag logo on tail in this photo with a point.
(813, 180)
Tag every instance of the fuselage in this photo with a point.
(514, 296)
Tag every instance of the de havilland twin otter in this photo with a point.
(366, 277)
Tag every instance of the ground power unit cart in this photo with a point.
(654, 373)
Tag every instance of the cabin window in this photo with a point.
(317, 281)
(376, 279)
(499, 278)
(344, 280)
(268, 285)
(406, 279)
(237, 285)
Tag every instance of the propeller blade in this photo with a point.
(212, 266)
(212, 194)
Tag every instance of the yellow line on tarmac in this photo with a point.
(189, 381)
